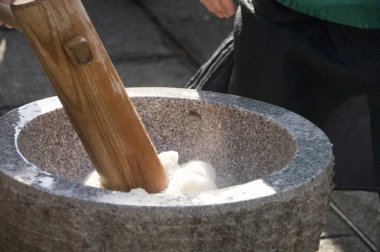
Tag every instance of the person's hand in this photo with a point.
(221, 8)
(6, 2)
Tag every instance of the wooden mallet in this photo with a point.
(91, 92)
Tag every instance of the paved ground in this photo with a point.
(162, 43)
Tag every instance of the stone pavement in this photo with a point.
(162, 43)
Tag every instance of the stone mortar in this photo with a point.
(273, 168)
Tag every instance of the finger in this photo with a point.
(7, 2)
(2, 24)
(213, 8)
(218, 8)
(8, 26)
(228, 6)
(207, 5)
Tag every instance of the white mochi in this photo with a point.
(192, 177)
(169, 161)
(201, 168)
(93, 180)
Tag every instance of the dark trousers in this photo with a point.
(326, 72)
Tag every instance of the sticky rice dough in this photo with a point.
(191, 177)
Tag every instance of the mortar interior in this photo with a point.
(240, 144)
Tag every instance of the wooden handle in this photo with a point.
(7, 17)
(91, 92)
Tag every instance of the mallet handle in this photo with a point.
(92, 93)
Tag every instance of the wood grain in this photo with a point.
(92, 94)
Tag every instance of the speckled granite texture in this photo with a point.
(274, 169)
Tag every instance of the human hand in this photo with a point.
(8, 3)
(220, 8)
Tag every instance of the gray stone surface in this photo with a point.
(4, 110)
(22, 79)
(335, 227)
(176, 10)
(189, 23)
(363, 210)
(200, 42)
(273, 197)
(125, 30)
(160, 72)
(343, 244)
(135, 43)
(338, 237)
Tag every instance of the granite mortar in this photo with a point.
(273, 167)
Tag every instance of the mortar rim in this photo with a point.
(279, 182)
